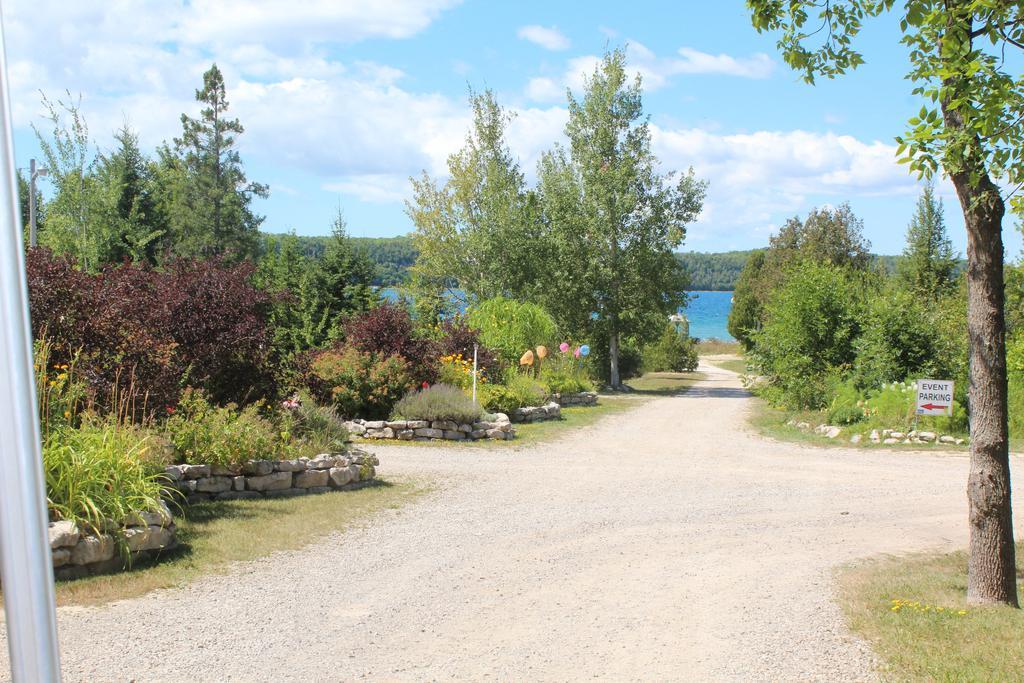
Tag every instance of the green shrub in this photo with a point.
(512, 327)
(893, 406)
(899, 340)
(671, 352)
(438, 402)
(99, 473)
(360, 384)
(519, 391)
(202, 433)
(316, 426)
(847, 406)
(563, 373)
(812, 322)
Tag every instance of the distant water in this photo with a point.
(708, 313)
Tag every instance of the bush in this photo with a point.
(812, 321)
(389, 330)
(99, 473)
(512, 327)
(847, 406)
(359, 384)
(202, 433)
(438, 402)
(519, 391)
(899, 340)
(563, 373)
(319, 427)
(672, 352)
(457, 339)
(457, 371)
(131, 328)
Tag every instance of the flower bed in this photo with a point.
(438, 430)
(273, 478)
(77, 553)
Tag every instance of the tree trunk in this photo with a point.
(991, 568)
(613, 359)
(991, 565)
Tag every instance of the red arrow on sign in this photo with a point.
(932, 406)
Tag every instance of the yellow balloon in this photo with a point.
(542, 352)
(527, 358)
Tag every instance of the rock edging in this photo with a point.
(583, 398)
(499, 429)
(886, 437)
(77, 553)
(273, 478)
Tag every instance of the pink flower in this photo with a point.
(563, 347)
(425, 385)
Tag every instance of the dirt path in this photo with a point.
(668, 543)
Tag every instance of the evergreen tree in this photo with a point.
(345, 275)
(298, 317)
(132, 211)
(928, 263)
(210, 198)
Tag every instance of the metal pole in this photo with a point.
(26, 567)
(32, 203)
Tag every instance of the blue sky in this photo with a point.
(343, 101)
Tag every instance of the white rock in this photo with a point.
(890, 440)
(897, 435)
(831, 431)
(340, 476)
(270, 482)
(946, 438)
(258, 468)
(926, 436)
(213, 484)
(856, 438)
(310, 479)
(875, 436)
(148, 538)
(63, 534)
(91, 549)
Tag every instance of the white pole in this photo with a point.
(474, 373)
(26, 567)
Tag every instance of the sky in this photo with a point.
(343, 101)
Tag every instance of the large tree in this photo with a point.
(209, 197)
(928, 264)
(614, 218)
(478, 231)
(969, 126)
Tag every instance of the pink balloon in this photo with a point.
(576, 352)
(563, 347)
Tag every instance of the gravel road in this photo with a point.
(666, 543)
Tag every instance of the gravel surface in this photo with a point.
(665, 543)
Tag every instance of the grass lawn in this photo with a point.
(714, 347)
(664, 383)
(917, 641)
(213, 535)
(737, 365)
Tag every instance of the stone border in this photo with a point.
(500, 429)
(886, 437)
(76, 554)
(273, 478)
(583, 398)
(548, 411)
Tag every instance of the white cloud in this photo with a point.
(550, 38)
(656, 72)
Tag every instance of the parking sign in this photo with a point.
(935, 397)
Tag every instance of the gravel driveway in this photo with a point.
(666, 543)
